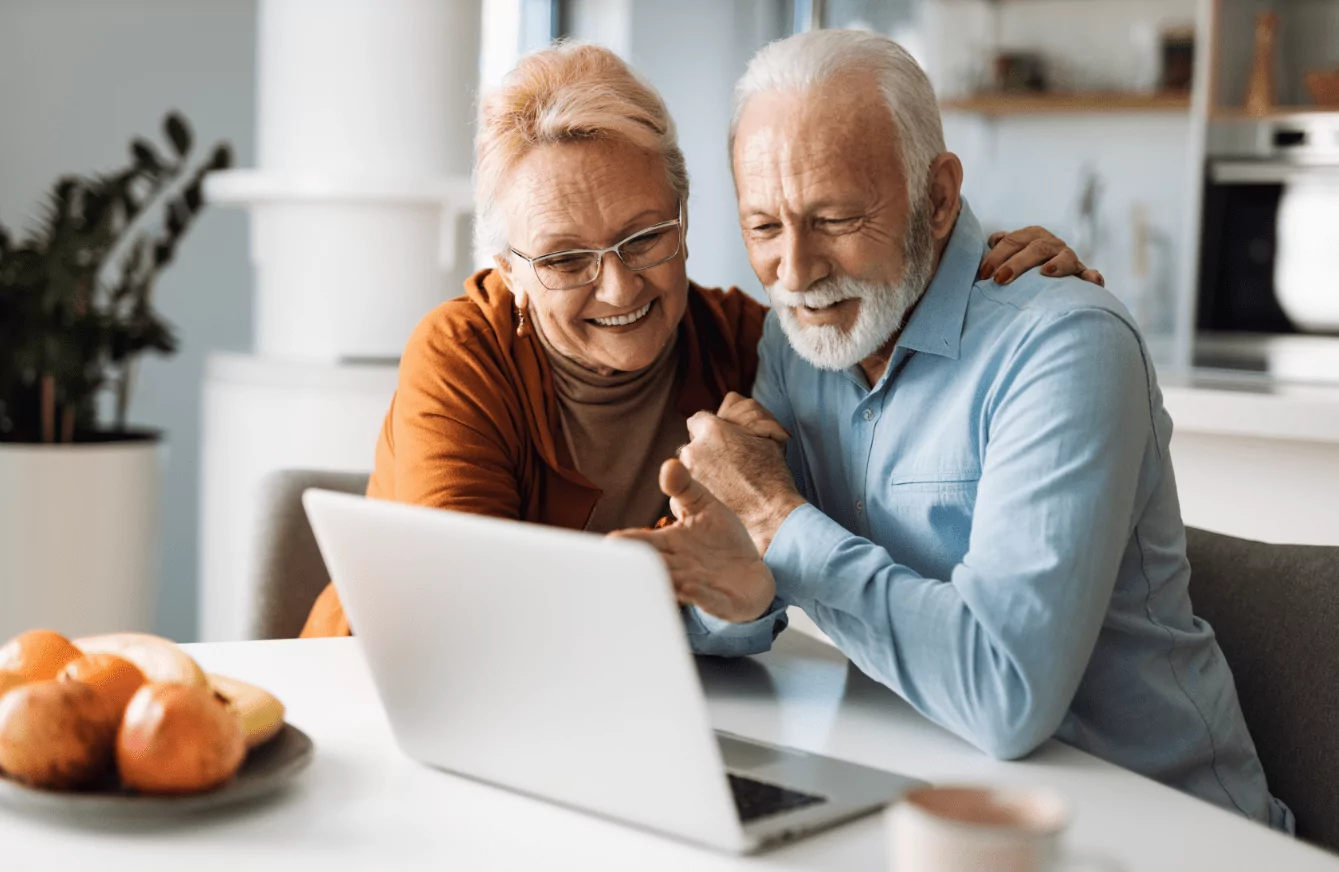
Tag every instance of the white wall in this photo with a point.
(1030, 169)
(79, 79)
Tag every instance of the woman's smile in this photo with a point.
(622, 321)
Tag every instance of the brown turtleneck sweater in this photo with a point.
(475, 425)
(619, 429)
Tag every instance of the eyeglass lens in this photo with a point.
(566, 270)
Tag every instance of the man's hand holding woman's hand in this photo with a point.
(711, 559)
(740, 455)
(730, 490)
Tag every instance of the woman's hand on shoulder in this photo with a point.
(1015, 252)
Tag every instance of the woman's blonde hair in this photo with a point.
(565, 93)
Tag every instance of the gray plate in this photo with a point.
(266, 769)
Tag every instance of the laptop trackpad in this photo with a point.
(740, 754)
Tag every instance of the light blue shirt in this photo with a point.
(993, 532)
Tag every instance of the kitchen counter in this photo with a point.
(1237, 404)
(1256, 456)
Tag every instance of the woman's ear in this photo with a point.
(503, 264)
(945, 194)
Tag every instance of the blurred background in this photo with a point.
(1187, 148)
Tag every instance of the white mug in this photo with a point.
(977, 829)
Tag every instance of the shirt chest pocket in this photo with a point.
(928, 513)
(947, 484)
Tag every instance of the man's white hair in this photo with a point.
(801, 62)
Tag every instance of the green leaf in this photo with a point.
(192, 197)
(221, 159)
(178, 133)
(176, 218)
(146, 158)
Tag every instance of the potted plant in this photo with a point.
(79, 489)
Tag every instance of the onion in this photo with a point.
(56, 734)
(177, 738)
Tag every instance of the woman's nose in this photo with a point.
(617, 285)
(799, 265)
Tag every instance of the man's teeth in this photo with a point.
(620, 320)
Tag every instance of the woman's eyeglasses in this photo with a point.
(565, 270)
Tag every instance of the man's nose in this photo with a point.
(617, 285)
(800, 265)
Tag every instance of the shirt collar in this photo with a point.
(937, 321)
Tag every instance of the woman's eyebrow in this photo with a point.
(642, 220)
(552, 243)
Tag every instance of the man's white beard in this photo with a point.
(883, 307)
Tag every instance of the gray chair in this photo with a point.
(1275, 609)
(289, 571)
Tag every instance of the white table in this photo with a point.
(363, 805)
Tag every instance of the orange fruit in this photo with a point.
(9, 681)
(116, 678)
(38, 655)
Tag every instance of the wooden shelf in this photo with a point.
(1097, 102)
(1226, 113)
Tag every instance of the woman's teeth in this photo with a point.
(620, 320)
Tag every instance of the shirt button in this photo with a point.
(859, 506)
(869, 414)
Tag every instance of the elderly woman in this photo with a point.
(554, 389)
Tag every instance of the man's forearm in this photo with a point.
(1003, 691)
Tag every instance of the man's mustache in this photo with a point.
(819, 295)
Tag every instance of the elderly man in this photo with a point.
(975, 500)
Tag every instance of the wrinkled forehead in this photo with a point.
(838, 133)
(584, 193)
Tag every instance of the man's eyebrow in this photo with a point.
(845, 206)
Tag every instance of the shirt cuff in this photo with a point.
(711, 635)
(800, 551)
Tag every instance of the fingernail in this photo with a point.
(983, 273)
(1003, 276)
(1048, 269)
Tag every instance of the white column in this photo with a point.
(364, 139)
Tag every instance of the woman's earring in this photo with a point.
(522, 329)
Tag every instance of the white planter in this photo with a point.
(79, 536)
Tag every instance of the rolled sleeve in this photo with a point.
(710, 635)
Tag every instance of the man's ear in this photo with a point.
(945, 194)
(503, 264)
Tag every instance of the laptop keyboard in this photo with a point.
(757, 799)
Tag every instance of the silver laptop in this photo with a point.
(555, 663)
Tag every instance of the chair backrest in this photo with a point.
(289, 571)
(1275, 609)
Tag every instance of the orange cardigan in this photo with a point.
(474, 424)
